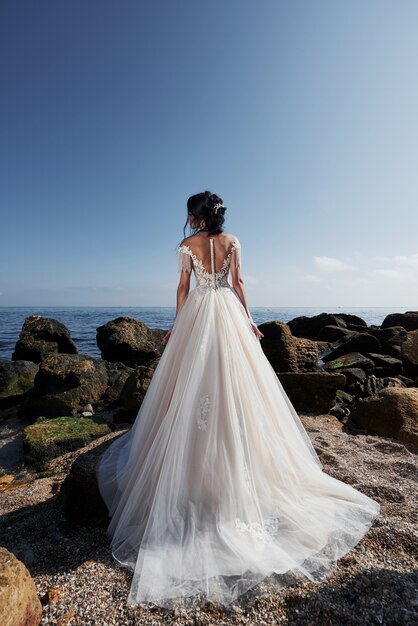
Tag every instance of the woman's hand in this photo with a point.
(255, 330)
(166, 336)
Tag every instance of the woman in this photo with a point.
(216, 487)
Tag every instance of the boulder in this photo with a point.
(277, 345)
(309, 327)
(353, 359)
(333, 333)
(135, 388)
(373, 384)
(130, 341)
(312, 392)
(306, 354)
(354, 375)
(353, 320)
(408, 320)
(383, 372)
(16, 378)
(409, 354)
(285, 352)
(79, 491)
(394, 334)
(19, 601)
(391, 412)
(41, 336)
(117, 376)
(386, 361)
(47, 439)
(358, 342)
(65, 383)
(392, 349)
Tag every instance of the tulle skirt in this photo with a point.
(216, 487)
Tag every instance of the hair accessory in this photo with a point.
(217, 206)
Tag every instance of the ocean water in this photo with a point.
(83, 321)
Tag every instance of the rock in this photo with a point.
(19, 602)
(51, 596)
(333, 333)
(309, 327)
(353, 320)
(409, 354)
(285, 352)
(372, 385)
(135, 388)
(41, 336)
(24, 552)
(6, 479)
(359, 342)
(388, 362)
(65, 383)
(393, 350)
(16, 378)
(391, 412)
(79, 492)
(47, 439)
(306, 354)
(340, 411)
(277, 345)
(343, 397)
(351, 360)
(353, 375)
(117, 375)
(384, 335)
(408, 320)
(312, 392)
(393, 346)
(384, 372)
(407, 382)
(86, 414)
(122, 415)
(130, 341)
(390, 339)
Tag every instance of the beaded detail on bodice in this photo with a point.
(205, 279)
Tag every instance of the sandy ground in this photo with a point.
(79, 583)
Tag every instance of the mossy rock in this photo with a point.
(49, 438)
(343, 396)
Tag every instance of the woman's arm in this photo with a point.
(238, 286)
(238, 281)
(182, 292)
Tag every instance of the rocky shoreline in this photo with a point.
(356, 389)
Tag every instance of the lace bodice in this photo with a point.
(204, 279)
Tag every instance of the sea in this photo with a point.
(82, 322)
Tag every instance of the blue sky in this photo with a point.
(300, 115)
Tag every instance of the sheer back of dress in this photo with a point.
(210, 260)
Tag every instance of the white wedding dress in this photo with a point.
(216, 490)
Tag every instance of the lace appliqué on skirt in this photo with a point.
(263, 531)
(202, 421)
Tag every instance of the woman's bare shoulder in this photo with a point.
(187, 240)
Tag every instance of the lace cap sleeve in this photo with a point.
(236, 253)
(184, 259)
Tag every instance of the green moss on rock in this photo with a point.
(49, 438)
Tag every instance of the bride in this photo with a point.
(216, 491)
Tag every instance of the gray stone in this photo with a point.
(130, 341)
(41, 336)
(408, 320)
(312, 392)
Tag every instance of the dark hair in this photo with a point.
(201, 206)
